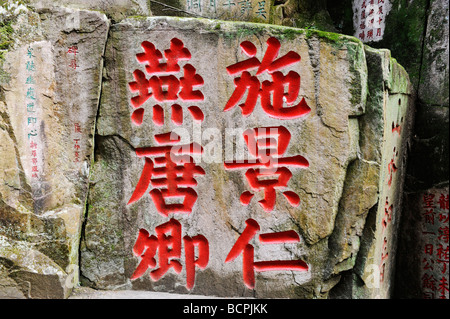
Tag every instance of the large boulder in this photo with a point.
(341, 116)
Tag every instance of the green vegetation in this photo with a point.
(6, 37)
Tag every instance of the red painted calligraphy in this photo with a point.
(443, 202)
(243, 246)
(171, 173)
(388, 210)
(167, 246)
(435, 247)
(169, 167)
(268, 145)
(77, 130)
(268, 169)
(272, 93)
(73, 62)
(392, 167)
(163, 85)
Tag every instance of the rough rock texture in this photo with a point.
(428, 168)
(245, 10)
(375, 260)
(84, 159)
(434, 84)
(431, 143)
(348, 139)
(404, 34)
(293, 13)
(416, 32)
(48, 111)
(115, 9)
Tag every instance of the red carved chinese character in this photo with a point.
(73, 50)
(392, 168)
(428, 264)
(268, 145)
(370, 34)
(163, 85)
(388, 211)
(428, 249)
(443, 218)
(428, 282)
(77, 127)
(428, 201)
(362, 35)
(73, 64)
(396, 128)
(442, 254)
(429, 216)
(171, 173)
(249, 265)
(428, 295)
(384, 257)
(443, 231)
(443, 287)
(272, 93)
(443, 201)
(167, 243)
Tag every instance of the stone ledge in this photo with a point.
(88, 293)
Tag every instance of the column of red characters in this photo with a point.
(169, 169)
(271, 171)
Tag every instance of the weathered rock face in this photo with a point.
(115, 9)
(293, 13)
(296, 193)
(384, 155)
(345, 149)
(245, 10)
(50, 88)
(431, 144)
(424, 50)
(240, 10)
(433, 88)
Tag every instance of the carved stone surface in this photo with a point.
(353, 143)
(51, 79)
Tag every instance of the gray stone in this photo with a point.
(348, 143)
(115, 9)
(238, 10)
(373, 239)
(433, 86)
(48, 112)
